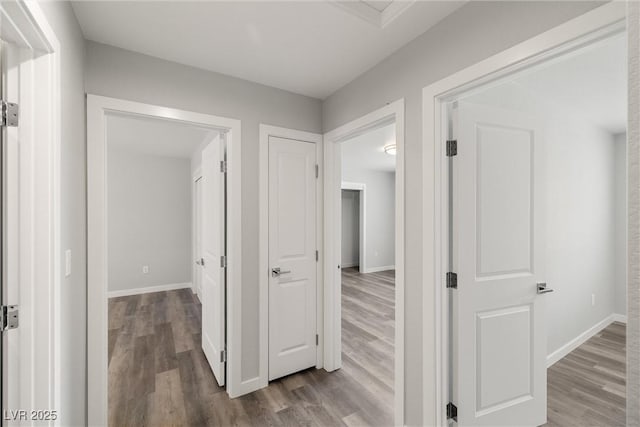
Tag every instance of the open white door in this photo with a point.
(213, 263)
(499, 336)
(292, 256)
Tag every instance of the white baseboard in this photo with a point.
(349, 264)
(376, 269)
(582, 338)
(622, 318)
(148, 289)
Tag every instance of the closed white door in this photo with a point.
(499, 336)
(213, 249)
(292, 256)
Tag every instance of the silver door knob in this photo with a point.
(200, 261)
(276, 272)
(542, 288)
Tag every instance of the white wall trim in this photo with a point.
(617, 317)
(97, 109)
(149, 289)
(590, 26)
(393, 111)
(38, 349)
(362, 232)
(263, 241)
(377, 269)
(555, 356)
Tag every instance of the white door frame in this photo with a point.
(97, 343)
(39, 270)
(362, 226)
(264, 270)
(332, 215)
(196, 284)
(591, 26)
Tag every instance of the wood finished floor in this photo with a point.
(587, 387)
(158, 375)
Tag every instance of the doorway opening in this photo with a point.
(364, 305)
(163, 258)
(368, 262)
(163, 313)
(536, 238)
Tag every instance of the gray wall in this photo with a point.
(474, 32)
(581, 228)
(350, 228)
(380, 214)
(149, 220)
(72, 409)
(123, 74)
(621, 223)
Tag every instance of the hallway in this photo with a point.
(158, 374)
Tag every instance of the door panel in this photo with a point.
(213, 248)
(292, 248)
(498, 318)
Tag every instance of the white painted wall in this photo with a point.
(350, 228)
(73, 234)
(123, 74)
(149, 220)
(621, 223)
(472, 33)
(380, 212)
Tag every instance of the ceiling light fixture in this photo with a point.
(390, 149)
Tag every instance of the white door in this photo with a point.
(14, 390)
(213, 249)
(499, 338)
(292, 256)
(198, 235)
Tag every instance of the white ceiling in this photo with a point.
(589, 83)
(154, 136)
(366, 151)
(307, 47)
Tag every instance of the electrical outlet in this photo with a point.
(593, 300)
(145, 269)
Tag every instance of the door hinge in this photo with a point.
(452, 412)
(9, 317)
(223, 356)
(452, 148)
(317, 255)
(317, 170)
(452, 280)
(223, 261)
(317, 340)
(10, 114)
(223, 166)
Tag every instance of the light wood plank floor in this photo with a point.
(587, 387)
(158, 375)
